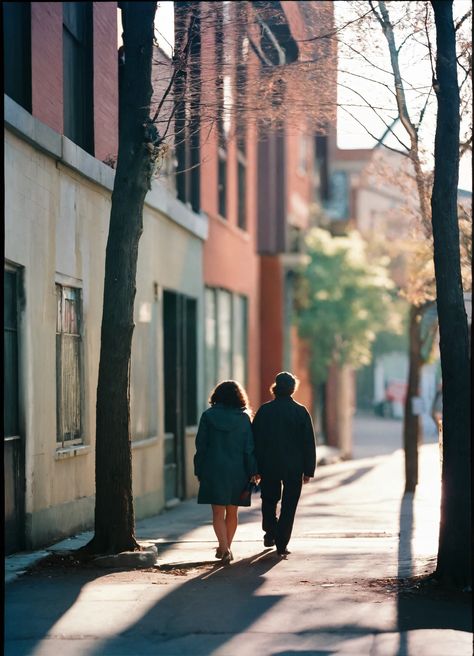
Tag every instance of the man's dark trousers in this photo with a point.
(280, 528)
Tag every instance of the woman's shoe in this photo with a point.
(219, 553)
(227, 557)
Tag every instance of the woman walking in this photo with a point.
(224, 461)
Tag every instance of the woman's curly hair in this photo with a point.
(231, 394)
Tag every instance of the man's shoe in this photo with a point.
(268, 541)
(283, 552)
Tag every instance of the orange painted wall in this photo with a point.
(271, 322)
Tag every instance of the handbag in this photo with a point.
(246, 494)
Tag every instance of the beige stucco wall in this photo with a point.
(56, 222)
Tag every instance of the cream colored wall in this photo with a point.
(56, 224)
(178, 267)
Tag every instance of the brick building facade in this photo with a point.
(221, 244)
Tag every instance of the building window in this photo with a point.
(191, 361)
(226, 326)
(224, 334)
(78, 74)
(143, 372)
(222, 81)
(68, 366)
(242, 192)
(17, 51)
(210, 338)
(11, 421)
(187, 91)
(222, 182)
(241, 57)
(240, 341)
(322, 166)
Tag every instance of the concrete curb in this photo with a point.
(129, 559)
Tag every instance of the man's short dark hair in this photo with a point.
(285, 384)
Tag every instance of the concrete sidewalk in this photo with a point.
(354, 532)
(17, 564)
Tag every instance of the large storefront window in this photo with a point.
(225, 337)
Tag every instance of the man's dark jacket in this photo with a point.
(284, 440)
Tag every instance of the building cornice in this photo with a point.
(21, 123)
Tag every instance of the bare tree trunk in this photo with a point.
(454, 550)
(114, 514)
(344, 410)
(411, 423)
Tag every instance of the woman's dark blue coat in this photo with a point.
(224, 459)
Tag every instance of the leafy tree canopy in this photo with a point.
(343, 301)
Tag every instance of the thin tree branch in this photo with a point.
(387, 125)
(422, 113)
(461, 20)
(357, 52)
(428, 40)
(408, 36)
(182, 60)
(364, 77)
(377, 139)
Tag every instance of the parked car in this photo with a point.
(393, 403)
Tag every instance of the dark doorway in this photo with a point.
(180, 364)
(13, 441)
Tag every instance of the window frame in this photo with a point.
(78, 58)
(242, 222)
(16, 272)
(213, 378)
(61, 442)
(17, 70)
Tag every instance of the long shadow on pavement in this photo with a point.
(35, 603)
(422, 611)
(214, 606)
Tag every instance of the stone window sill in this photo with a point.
(72, 451)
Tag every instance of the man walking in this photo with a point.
(286, 458)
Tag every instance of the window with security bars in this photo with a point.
(68, 366)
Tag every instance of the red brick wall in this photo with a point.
(47, 63)
(47, 71)
(105, 79)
